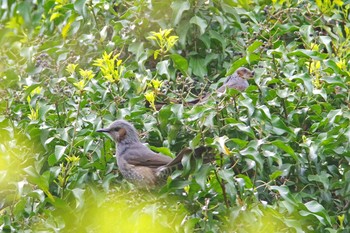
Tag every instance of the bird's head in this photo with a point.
(121, 131)
(244, 73)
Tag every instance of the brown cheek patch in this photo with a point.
(240, 73)
(122, 134)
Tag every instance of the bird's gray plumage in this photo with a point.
(238, 81)
(137, 163)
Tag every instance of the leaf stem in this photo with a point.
(223, 188)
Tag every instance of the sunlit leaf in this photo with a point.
(55, 16)
(221, 141)
(180, 63)
(59, 151)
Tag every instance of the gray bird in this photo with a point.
(238, 80)
(136, 162)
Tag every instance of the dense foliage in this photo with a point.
(68, 68)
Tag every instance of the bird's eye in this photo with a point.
(116, 129)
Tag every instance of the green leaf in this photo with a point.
(180, 63)
(24, 10)
(239, 63)
(251, 58)
(256, 44)
(201, 23)
(322, 177)
(179, 7)
(209, 119)
(164, 116)
(178, 110)
(228, 176)
(19, 207)
(103, 33)
(10, 79)
(67, 26)
(79, 6)
(333, 114)
(279, 127)
(239, 142)
(334, 67)
(326, 40)
(248, 103)
(163, 68)
(52, 160)
(195, 142)
(137, 48)
(285, 193)
(243, 129)
(283, 146)
(59, 151)
(183, 29)
(265, 111)
(306, 79)
(196, 64)
(247, 181)
(162, 150)
(334, 80)
(308, 54)
(79, 197)
(201, 176)
(275, 175)
(218, 37)
(318, 211)
(42, 180)
(221, 141)
(285, 28)
(307, 33)
(189, 225)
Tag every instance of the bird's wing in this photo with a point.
(221, 89)
(237, 83)
(228, 83)
(140, 155)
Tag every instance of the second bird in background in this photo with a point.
(238, 80)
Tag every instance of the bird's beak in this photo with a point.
(116, 135)
(102, 130)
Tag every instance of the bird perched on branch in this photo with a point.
(238, 81)
(137, 163)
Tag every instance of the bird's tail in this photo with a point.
(200, 152)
